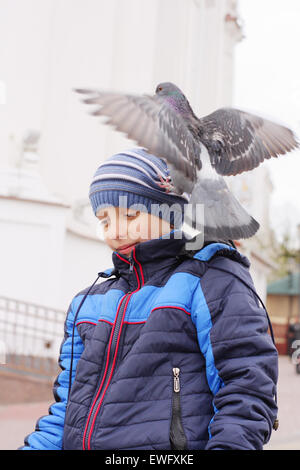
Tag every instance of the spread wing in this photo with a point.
(238, 141)
(153, 125)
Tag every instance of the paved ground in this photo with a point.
(16, 421)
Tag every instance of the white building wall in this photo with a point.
(32, 243)
(82, 260)
(49, 47)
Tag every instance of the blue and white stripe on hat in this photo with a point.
(137, 179)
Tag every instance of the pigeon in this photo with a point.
(199, 152)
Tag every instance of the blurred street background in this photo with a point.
(220, 53)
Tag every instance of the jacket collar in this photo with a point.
(164, 253)
(149, 256)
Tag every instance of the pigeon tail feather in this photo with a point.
(214, 209)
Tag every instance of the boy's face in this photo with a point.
(123, 228)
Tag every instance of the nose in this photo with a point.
(117, 229)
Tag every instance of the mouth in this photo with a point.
(125, 248)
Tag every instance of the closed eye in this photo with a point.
(132, 215)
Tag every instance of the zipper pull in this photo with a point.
(176, 372)
(131, 264)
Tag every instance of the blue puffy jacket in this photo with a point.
(172, 352)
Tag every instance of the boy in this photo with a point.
(171, 351)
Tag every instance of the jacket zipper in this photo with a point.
(177, 436)
(110, 363)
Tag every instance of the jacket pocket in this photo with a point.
(177, 436)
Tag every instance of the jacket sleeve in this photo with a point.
(48, 434)
(241, 361)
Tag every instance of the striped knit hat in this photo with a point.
(138, 180)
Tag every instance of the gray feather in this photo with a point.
(197, 151)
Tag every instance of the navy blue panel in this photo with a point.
(180, 311)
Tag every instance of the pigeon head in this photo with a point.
(174, 97)
(168, 89)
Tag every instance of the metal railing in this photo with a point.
(30, 337)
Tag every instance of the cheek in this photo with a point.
(108, 240)
(144, 231)
(138, 229)
(134, 229)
